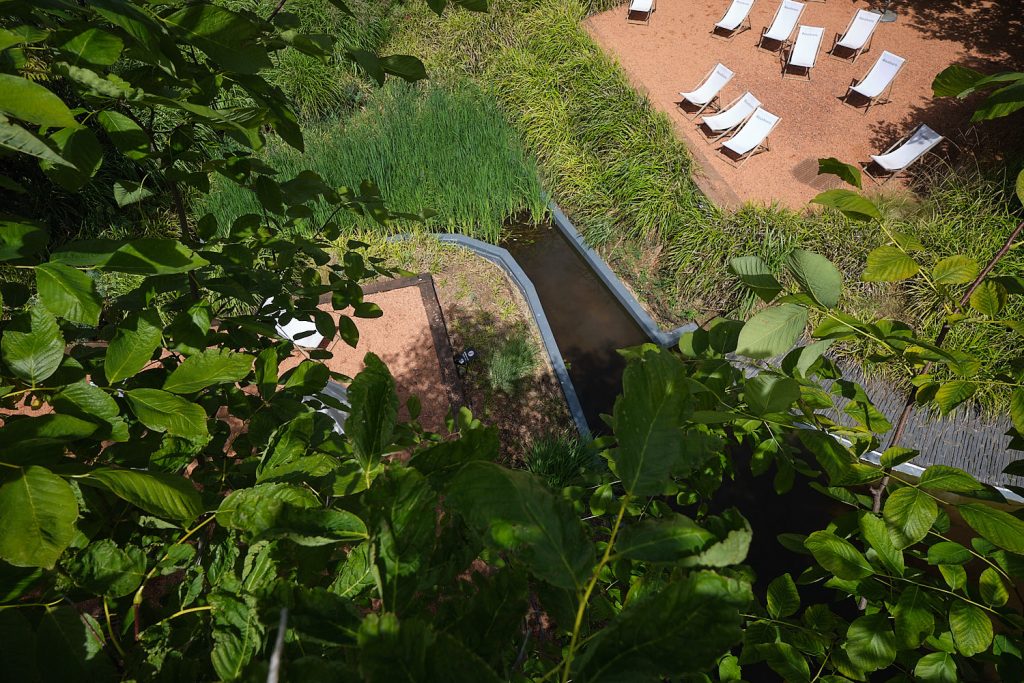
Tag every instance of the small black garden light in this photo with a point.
(463, 359)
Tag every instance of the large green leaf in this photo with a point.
(146, 256)
(32, 345)
(158, 493)
(162, 411)
(851, 204)
(951, 394)
(129, 138)
(1002, 102)
(989, 298)
(237, 635)
(38, 510)
(662, 540)
(948, 552)
(783, 599)
(82, 157)
(999, 527)
(766, 393)
(515, 510)
(27, 100)
(772, 332)
(684, 628)
(19, 140)
(68, 293)
(20, 239)
(133, 345)
(228, 38)
(936, 667)
(847, 172)
(914, 619)
(955, 270)
(838, 555)
(94, 46)
(817, 276)
(733, 535)
(105, 569)
(371, 424)
(910, 513)
(281, 511)
(877, 535)
(213, 366)
(755, 274)
(87, 401)
(956, 81)
(889, 264)
(992, 589)
(647, 418)
(971, 627)
(1017, 410)
(870, 642)
(947, 478)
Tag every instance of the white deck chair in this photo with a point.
(293, 328)
(803, 54)
(732, 23)
(738, 111)
(707, 92)
(878, 80)
(857, 37)
(644, 8)
(904, 152)
(787, 16)
(752, 137)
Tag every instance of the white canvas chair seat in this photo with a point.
(292, 329)
(640, 8)
(804, 52)
(752, 136)
(905, 152)
(707, 92)
(787, 16)
(738, 111)
(735, 16)
(858, 34)
(879, 79)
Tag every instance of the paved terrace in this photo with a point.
(676, 50)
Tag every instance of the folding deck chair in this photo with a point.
(787, 16)
(707, 92)
(878, 81)
(735, 17)
(803, 54)
(751, 138)
(644, 8)
(728, 119)
(903, 153)
(857, 37)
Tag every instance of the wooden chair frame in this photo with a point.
(646, 21)
(736, 31)
(716, 137)
(709, 103)
(785, 53)
(884, 97)
(782, 43)
(866, 47)
(763, 146)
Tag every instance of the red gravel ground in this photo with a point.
(677, 50)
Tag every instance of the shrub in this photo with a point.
(514, 360)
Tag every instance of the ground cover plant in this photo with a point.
(175, 507)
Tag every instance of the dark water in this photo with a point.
(588, 322)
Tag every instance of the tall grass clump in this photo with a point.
(447, 149)
(513, 360)
(562, 459)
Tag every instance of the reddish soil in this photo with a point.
(677, 50)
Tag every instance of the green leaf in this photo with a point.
(38, 510)
(971, 627)
(213, 366)
(847, 172)
(838, 556)
(129, 138)
(954, 575)
(237, 635)
(956, 81)
(897, 455)
(753, 272)
(68, 293)
(1002, 102)
(32, 345)
(783, 597)
(27, 100)
(133, 345)
(889, 264)
(165, 495)
(947, 478)
(515, 510)
(127, 192)
(948, 552)
(989, 298)
(282, 511)
(1020, 187)
(910, 513)
(936, 667)
(81, 156)
(992, 589)
(88, 402)
(955, 270)
(406, 67)
(104, 569)
(870, 642)
(766, 394)
(19, 239)
(817, 276)
(877, 536)
(914, 621)
(1017, 410)
(94, 47)
(647, 418)
(662, 540)
(19, 140)
(374, 401)
(733, 534)
(953, 393)
(851, 204)
(772, 332)
(147, 256)
(162, 411)
(684, 628)
(228, 38)
(996, 526)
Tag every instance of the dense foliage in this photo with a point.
(184, 498)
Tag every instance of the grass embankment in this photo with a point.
(448, 149)
(617, 167)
